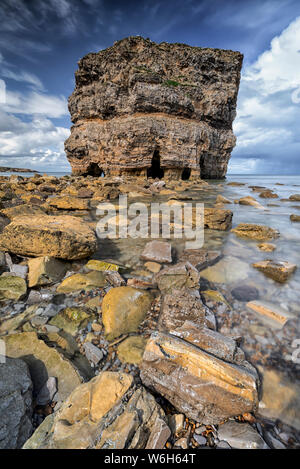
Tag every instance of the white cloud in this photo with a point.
(22, 76)
(268, 117)
(36, 143)
(35, 103)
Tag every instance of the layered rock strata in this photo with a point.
(156, 110)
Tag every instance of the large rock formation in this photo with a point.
(156, 110)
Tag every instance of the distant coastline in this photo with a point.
(4, 169)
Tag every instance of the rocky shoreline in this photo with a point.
(157, 352)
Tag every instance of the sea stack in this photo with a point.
(154, 110)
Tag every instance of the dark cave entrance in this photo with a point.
(155, 171)
(185, 175)
(94, 170)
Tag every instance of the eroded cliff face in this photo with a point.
(154, 110)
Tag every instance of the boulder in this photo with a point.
(250, 201)
(15, 403)
(295, 197)
(45, 271)
(198, 384)
(245, 292)
(295, 218)
(257, 232)
(62, 237)
(268, 194)
(222, 200)
(108, 412)
(269, 311)
(22, 210)
(123, 310)
(276, 270)
(67, 203)
(266, 247)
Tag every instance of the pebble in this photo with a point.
(201, 440)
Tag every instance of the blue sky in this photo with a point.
(42, 40)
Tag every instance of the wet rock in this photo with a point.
(179, 276)
(276, 270)
(12, 287)
(245, 293)
(131, 349)
(101, 266)
(15, 404)
(180, 306)
(85, 282)
(45, 271)
(63, 237)
(157, 251)
(108, 412)
(250, 201)
(295, 218)
(228, 270)
(43, 361)
(280, 398)
(200, 258)
(198, 384)
(268, 194)
(257, 232)
(267, 247)
(295, 197)
(217, 219)
(270, 311)
(241, 436)
(71, 320)
(222, 200)
(123, 309)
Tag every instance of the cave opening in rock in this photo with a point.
(94, 170)
(155, 171)
(185, 175)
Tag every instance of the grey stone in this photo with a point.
(93, 353)
(15, 404)
(241, 436)
(47, 392)
(157, 251)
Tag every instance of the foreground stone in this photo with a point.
(108, 412)
(250, 201)
(86, 282)
(71, 320)
(123, 310)
(157, 251)
(180, 276)
(63, 237)
(67, 203)
(15, 404)
(43, 361)
(241, 436)
(12, 287)
(198, 384)
(295, 218)
(276, 270)
(131, 350)
(257, 232)
(45, 271)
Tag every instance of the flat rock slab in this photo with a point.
(178, 276)
(203, 387)
(270, 311)
(276, 270)
(157, 251)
